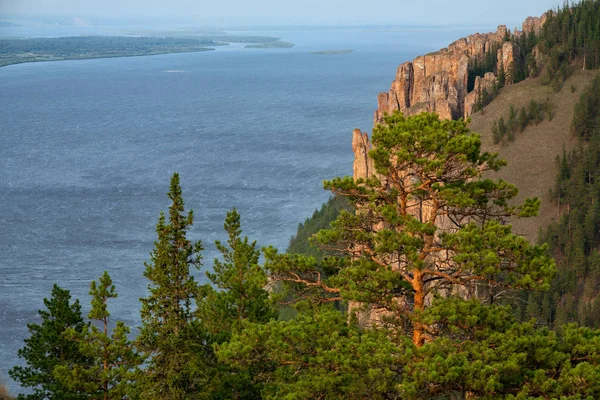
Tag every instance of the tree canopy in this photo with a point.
(427, 223)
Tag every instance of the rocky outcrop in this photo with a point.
(434, 82)
(484, 87)
(437, 82)
(508, 55)
(535, 24)
(363, 164)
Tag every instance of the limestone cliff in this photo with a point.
(437, 82)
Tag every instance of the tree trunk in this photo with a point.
(419, 304)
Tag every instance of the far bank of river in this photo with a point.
(25, 50)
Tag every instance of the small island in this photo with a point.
(332, 52)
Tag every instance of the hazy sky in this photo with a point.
(286, 12)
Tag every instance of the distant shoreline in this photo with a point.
(41, 59)
(27, 50)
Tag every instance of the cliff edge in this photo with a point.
(438, 82)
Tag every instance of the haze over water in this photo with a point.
(88, 147)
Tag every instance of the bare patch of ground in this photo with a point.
(531, 156)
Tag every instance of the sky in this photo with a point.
(297, 12)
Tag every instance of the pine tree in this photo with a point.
(523, 119)
(167, 335)
(427, 224)
(109, 374)
(48, 347)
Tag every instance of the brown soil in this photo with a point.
(531, 156)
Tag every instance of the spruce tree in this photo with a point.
(501, 76)
(238, 297)
(240, 281)
(48, 348)
(112, 359)
(167, 333)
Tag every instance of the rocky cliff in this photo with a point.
(437, 82)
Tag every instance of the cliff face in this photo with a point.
(437, 82)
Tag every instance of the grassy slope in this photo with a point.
(531, 155)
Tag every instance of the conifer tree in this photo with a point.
(109, 373)
(501, 76)
(48, 347)
(238, 297)
(167, 333)
(318, 355)
(427, 224)
(240, 281)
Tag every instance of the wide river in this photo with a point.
(87, 149)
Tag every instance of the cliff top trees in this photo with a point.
(167, 311)
(427, 224)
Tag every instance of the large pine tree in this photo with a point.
(167, 313)
(428, 223)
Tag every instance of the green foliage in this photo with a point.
(534, 113)
(48, 348)
(240, 282)
(501, 76)
(586, 117)
(479, 67)
(167, 333)
(300, 242)
(318, 355)
(112, 359)
(428, 224)
(484, 351)
(238, 296)
(575, 238)
(570, 35)
(526, 64)
(428, 170)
